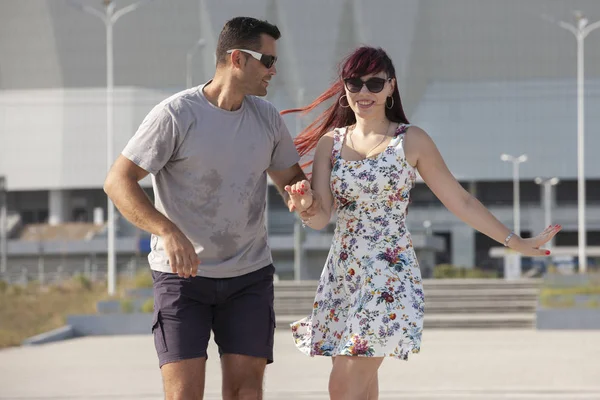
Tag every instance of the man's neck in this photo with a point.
(222, 92)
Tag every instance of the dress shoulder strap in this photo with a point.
(338, 141)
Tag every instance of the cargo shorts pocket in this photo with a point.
(272, 326)
(159, 333)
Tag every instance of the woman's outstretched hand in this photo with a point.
(531, 246)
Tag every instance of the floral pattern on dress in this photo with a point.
(370, 300)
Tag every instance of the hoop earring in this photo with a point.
(340, 102)
(391, 105)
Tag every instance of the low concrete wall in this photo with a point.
(96, 325)
(568, 319)
(111, 324)
(144, 293)
(62, 333)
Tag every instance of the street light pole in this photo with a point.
(299, 233)
(3, 227)
(109, 17)
(516, 200)
(548, 183)
(580, 30)
(512, 261)
(188, 65)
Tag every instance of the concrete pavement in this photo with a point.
(453, 364)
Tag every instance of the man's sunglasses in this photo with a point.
(265, 60)
(374, 85)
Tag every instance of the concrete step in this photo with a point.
(435, 307)
(430, 284)
(501, 306)
(480, 283)
(452, 321)
(435, 294)
(483, 321)
(482, 294)
(431, 300)
(449, 303)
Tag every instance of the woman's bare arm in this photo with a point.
(422, 153)
(318, 187)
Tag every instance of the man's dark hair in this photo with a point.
(243, 33)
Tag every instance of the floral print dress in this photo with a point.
(369, 300)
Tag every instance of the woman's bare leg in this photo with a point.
(354, 378)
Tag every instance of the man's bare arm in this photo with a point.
(284, 177)
(123, 188)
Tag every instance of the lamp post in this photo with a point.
(109, 16)
(547, 184)
(188, 64)
(580, 29)
(3, 226)
(512, 263)
(516, 161)
(299, 233)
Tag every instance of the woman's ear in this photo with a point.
(393, 86)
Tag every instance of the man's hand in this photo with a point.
(314, 208)
(182, 256)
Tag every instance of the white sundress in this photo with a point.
(369, 300)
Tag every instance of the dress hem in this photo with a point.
(315, 354)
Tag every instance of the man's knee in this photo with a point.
(184, 393)
(248, 392)
(243, 377)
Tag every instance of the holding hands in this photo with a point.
(303, 199)
(301, 196)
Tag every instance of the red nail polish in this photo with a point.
(547, 252)
(302, 192)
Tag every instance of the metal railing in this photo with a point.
(48, 272)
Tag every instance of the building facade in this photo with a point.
(482, 77)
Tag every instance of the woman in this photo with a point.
(369, 303)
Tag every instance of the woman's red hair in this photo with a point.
(363, 61)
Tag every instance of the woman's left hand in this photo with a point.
(531, 246)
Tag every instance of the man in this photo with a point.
(209, 150)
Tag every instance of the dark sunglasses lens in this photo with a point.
(268, 61)
(375, 85)
(354, 85)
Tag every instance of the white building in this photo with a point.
(482, 77)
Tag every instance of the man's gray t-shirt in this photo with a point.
(208, 169)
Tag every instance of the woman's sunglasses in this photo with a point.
(265, 60)
(374, 85)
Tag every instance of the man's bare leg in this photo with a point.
(242, 377)
(184, 380)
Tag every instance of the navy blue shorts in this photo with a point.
(238, 310)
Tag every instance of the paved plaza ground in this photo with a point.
(453, 364)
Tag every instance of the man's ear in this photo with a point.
(237, 59)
